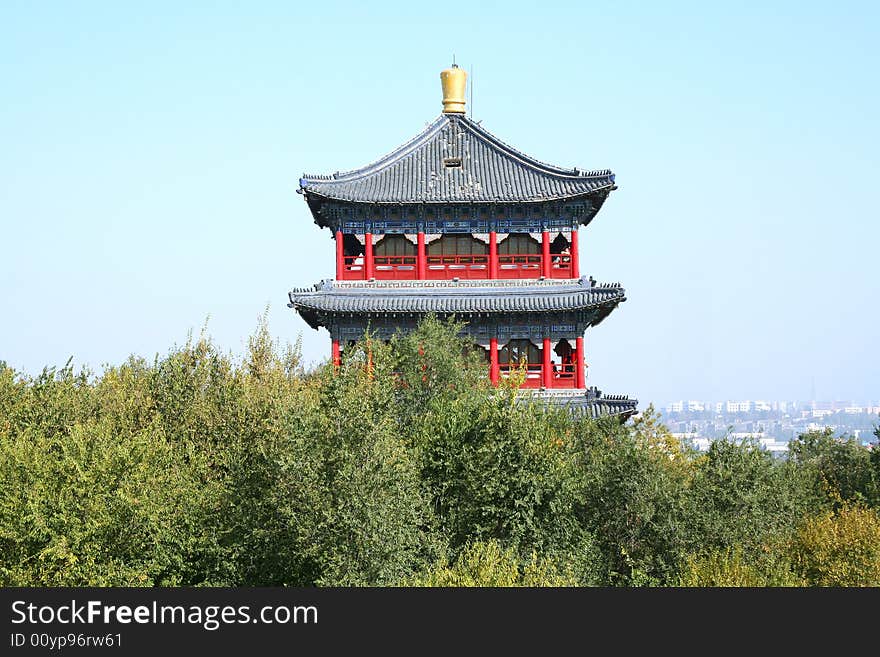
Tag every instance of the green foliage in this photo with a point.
(85, 508)
(367, 520)
(488, 564)
(403, 465)
(844, 469)
(840, 548)
(633, 499)
(740, 497)
(731, 568)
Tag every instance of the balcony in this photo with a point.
(395, 268)
(562, 376)
(446, 267)
(519, 266)
(534, 373)
(394, 257)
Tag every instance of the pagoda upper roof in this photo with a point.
(456, 160)
(451, 297)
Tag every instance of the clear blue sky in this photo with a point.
(149, 160)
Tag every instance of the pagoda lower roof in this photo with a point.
(456, 160)
(453, 297)
(589, 402)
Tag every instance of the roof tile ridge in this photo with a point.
(573, 173)
(389, 158)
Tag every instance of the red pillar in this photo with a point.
(546, 367)
(337, 359)
(580, 380)
(493, 361)
(575, 262)
(368, 256)
(493, 254)
(421, 264)
(545, 254)
(340, 259)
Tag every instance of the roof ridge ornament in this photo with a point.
(453, 81)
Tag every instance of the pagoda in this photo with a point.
(457, 223)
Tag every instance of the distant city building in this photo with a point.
(777, 447)
(772, 423)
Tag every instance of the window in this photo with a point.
(517, 350)
(394, 245)
(457, 245)
(518, 243)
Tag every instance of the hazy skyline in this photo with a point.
(151, 155)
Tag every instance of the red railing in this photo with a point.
(519, 265)
(563, 376)
(534, 373)
(444, 267)
(394, 268)
(560, 265)
(353, 268)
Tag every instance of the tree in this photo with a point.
(731, 567)
(85, 507)
(840, 547)
(741, 498)
(632, 498)
(488, 564)
(842, 467)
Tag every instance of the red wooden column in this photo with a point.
(545, 254)
(580, 380)
(368, 256)
(546, 367)
(493, 254)
(421, 263)
(337, 359)
(340, 253)
(493, 361)
(575, 262)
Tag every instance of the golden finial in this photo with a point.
(453, 80)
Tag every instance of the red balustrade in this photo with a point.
(560, 266)
(534, 373)
(395, 268)
(519, 266)
(445, 267)
(353, 268)
(563, 376)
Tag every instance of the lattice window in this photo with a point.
(458, 245)
(518, 243)
(516, 351)
(394, 245)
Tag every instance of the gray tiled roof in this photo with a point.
(590, 402)
(386, 298)
(489, 171)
